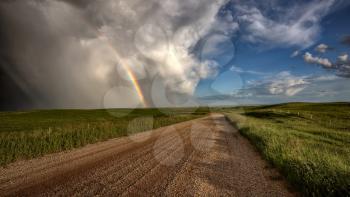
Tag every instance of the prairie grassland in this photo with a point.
(29, 134)
(308, 143)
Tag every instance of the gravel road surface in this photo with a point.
(202, 157)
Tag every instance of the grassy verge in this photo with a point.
(308, 143)
(25, 135)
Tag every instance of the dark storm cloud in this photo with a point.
(346, 40)
(42, 54)
(79, 3)
(71, 53)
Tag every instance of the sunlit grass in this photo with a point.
(308, 143)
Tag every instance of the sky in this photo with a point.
(172, 53)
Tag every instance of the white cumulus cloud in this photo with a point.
(283, 84)
(326, 63)
(295, 53)
(286, 84)
(343, 58)
(322, 48)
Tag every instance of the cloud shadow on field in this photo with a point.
(267, 115)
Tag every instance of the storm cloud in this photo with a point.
(71, 53)
(139, 53)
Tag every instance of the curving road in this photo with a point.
(202, 157)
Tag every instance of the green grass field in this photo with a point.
(308, 143)
(29, 134)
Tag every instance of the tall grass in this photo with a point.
(308, 143)
(25, 135)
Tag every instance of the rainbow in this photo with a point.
(129, 71)
(125, 66)
(131, 76)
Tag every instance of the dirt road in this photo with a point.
(203, 157)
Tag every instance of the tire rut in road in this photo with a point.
(113, 172)
(156, 180)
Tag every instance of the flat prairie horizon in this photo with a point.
(175, 98)
(305, 146)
